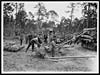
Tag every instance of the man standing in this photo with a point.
(53, 44)
(39, 39)
(21, 39)
(45, 38)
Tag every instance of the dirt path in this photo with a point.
(21, 61)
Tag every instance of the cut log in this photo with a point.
(86, 29)
(64, 57)
(86, 36)
(57, 59)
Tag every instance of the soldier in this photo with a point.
(45, 38)
(28, 38)
(35, 40)
(31, 43)
(39, 40)
(53, 44)
(21, 39)
(50, 36)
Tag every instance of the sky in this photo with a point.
(59, 7)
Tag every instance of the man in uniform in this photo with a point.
(39, 39)
(45, 38)
(28, 38)
(21, 39)
(53, 44)
(31, 43)
(36, 40)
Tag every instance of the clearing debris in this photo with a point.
(12, 47)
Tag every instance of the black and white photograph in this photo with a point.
(50, 37)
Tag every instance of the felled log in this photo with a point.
(65, 57)
(87, 36)
(86, 29)
(57, 59)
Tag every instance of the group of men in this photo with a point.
(40, 40)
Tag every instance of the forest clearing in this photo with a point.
(40, 37)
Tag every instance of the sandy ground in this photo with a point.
(21, 61)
